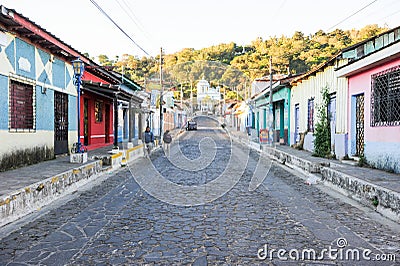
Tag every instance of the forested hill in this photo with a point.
(296, 54)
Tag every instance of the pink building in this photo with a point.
(373, 74)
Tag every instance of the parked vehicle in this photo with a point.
(191, 125)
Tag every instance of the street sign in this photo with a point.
(263, 135)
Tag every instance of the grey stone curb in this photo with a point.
(32, 197)
(382, 200)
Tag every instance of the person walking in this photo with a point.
(148, 138)
(167, 139)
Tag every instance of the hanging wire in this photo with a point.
(105, 14)
(358, 11)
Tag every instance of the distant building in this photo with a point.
(207, 96)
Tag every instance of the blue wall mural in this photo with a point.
(45, 58)
(10, 52)
(3, 103)
(25, 59)
(58, 73)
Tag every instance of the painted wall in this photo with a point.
(96, 130)
(380, 142)
(23, 62)
(311, 88)
(88, 76)
(282, 115)
(3, 102)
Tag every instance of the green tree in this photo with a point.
(105, 61)
(322, 133)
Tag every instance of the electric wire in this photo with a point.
(358, 11)
(105, 14)
(131, 15)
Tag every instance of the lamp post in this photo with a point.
(79, 68)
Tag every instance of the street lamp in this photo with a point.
(79, 68)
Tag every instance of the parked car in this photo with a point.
(191, 125)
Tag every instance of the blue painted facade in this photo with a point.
(281, 112)
(24, 63)
(44, 103)
(3, 102)
(72, 113)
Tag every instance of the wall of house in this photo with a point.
(282, 96)
(382, 143)
(96, 130)
(21, 61)
(311, 88)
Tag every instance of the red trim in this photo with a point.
(40, 32)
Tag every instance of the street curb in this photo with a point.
(383, 200)
(378, 198)
(31, 198)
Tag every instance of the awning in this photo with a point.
(110, 91)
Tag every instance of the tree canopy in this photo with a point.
(231, 65)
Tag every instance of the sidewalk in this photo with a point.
(377, 189)
(26, 189)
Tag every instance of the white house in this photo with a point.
(207, 96)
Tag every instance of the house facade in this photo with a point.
(207, 96)
(258, 117)
(306, 98)
(373, 120)
(38, 96)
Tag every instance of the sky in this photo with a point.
(177, 24)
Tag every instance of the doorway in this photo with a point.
(86, 122)
(360, 125)
(107, 123)
(60, 123)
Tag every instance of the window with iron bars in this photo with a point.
(385, 98)
(98, 111)
(310, 115)
(22, 107)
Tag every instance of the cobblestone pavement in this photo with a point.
(123, 222)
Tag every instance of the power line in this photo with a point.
(105, 14)
(134, 18)
(358, 11)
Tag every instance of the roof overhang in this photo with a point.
(111, 91)
(370, 61)
(17, 24)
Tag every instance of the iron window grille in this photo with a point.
(310, 115)
(98, 111)
(385, 98)
(22, 107)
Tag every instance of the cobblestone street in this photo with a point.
(203, 213)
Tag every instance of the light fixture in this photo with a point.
(78, 66)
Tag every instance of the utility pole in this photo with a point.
(271, 122)
(161, 94)
(181, 97)
(191, 98)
